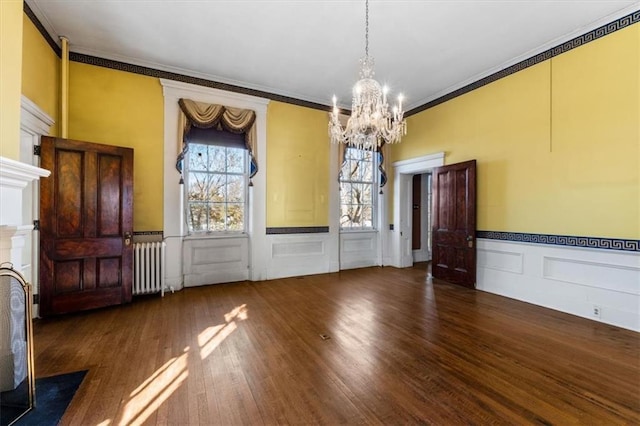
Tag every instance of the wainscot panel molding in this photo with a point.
(575, 280)
(215, 260)
(300, 254)
(359, 249)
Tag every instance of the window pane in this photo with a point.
(358, 192)
(357, 189)
(365, 193)
(367, 171)
(197, 155)
(355, 214)
(345, 217)
(216, 217)
(198, 186)
(366, 218)
(355, 171)
(217, 161)
(217, 188)
(235, 160)
(235, 216)
(345, 193)
(235, 188)
(198, 216)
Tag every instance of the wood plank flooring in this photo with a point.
(401, 350)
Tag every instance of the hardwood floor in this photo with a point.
(400, 350)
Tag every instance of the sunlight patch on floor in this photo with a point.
(210, 338)
(150, 395)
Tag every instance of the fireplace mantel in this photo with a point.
(14, 177)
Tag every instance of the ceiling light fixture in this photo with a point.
(371, 124)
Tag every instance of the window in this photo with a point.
(358, 180)
(216, 187)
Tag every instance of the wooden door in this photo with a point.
(454, 223)
(416, 203)
(86, 222)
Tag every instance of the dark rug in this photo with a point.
(53, 395)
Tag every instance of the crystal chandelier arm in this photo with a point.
(371, 123)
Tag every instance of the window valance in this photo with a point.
(382, 153)
(220, 117)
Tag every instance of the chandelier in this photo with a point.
(371, 124)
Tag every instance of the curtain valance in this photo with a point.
(381, 152)
(220, 117)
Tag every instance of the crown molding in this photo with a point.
(607, 25)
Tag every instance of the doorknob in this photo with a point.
(470, 240)
(127, 239)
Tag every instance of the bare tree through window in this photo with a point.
(216, 189)
(357, 189)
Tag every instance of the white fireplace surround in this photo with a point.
(14, 179)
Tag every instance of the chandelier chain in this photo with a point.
(366, 30)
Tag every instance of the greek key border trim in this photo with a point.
(618, 24)
(617, 244)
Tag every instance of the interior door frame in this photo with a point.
(34, 123)
(402, 204)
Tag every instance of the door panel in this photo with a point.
(86, 211)
(454, 223)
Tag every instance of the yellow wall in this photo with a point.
(557, 144)
(297, 166)
(124, 109)
(10, 77)
(40, 72)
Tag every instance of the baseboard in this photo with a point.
(575, 280)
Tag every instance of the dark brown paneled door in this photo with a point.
(416, 219)
(86, 222)
(454, 223)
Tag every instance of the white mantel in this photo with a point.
(14, 178)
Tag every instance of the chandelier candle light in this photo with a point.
(371, 124)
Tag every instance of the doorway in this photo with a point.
(421, 217)
(401, 237)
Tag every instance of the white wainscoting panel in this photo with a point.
(568, 279)
(215, 260)
(501, 260)
(294, 255)
(359, 249)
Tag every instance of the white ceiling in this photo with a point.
(309, 49)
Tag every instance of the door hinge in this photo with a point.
(37, 149)
(36, 299)
(36, 225)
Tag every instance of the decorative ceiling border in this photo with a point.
(618, 24)
(617, 244)
(153, 72)
(43, 31)
(592, 35)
